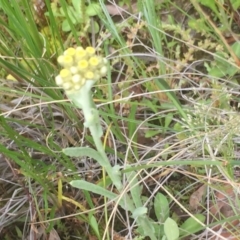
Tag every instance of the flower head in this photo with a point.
(80, 65)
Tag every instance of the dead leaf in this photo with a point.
(114, 10)
(53, 235)
(196, 198)
(225, 206)
(227, 235)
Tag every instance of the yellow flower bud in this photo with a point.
(77, 86)
(103, 71)
(67, 61)
(79, 48)
(59, 80)
(76, 78)
(70, 52)
(97, 76)
(60, 60)
(90, 51)
(74, 69)
(94, 62)
(105, 61)
(89, 75)
(65, 73)
(82, 65)
(67, 85)
(80, 54)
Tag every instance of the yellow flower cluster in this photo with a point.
(79, 65)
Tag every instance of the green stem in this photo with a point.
(83, 99)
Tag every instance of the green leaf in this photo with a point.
(146, 227)
(139, 212)
(152, 133)
(236, 48)
(210, 4)
(235, 4)
(62, 12)
(94, 224)
(171, 229)
(135, 189)
(163, 85)
(161, 207)
(94, 28)
(221, 67)
(191, 226)
(72, 15)
(19, 232)
(65, 26)
(197, 24)
(93, 10)
(84, 185)
(168, 120)
(217, 72)
(81, 152)
(178, 128)
(77, 6)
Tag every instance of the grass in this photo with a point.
(169, 108)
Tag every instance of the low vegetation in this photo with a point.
(163, 160)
